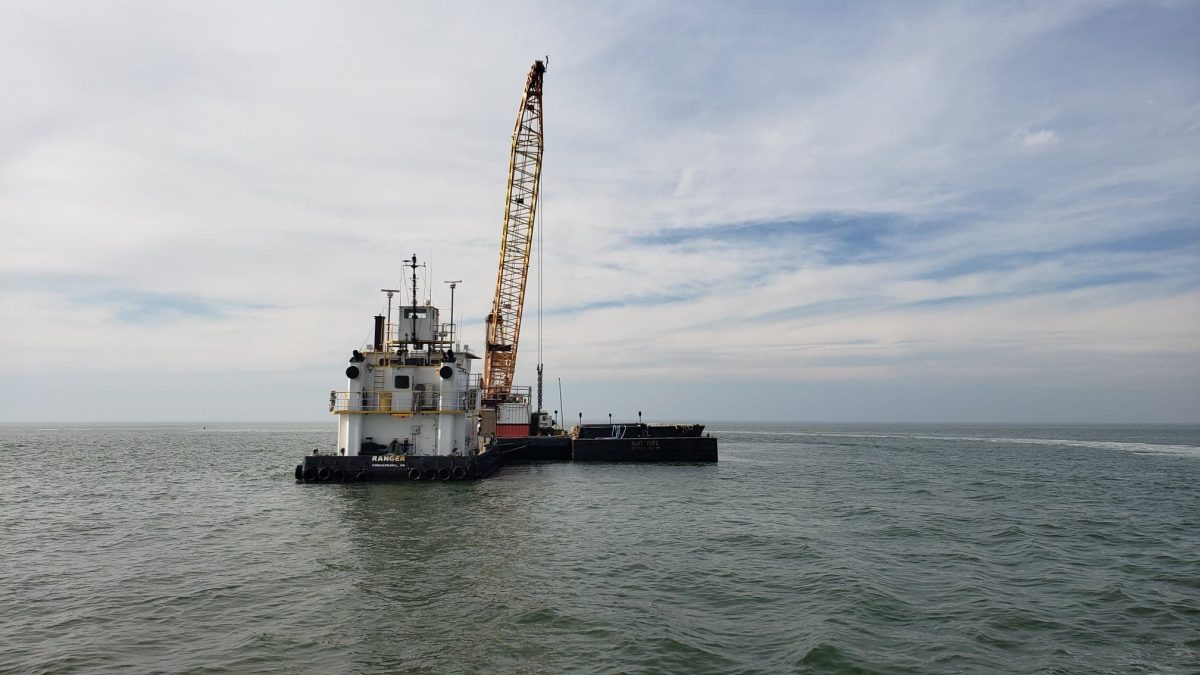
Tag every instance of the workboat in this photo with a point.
(411, 406)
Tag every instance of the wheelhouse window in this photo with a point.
(418, 312)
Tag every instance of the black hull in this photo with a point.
(637, 443)
(663, 449)
(640, 448)
(534, 449)
(363, 469)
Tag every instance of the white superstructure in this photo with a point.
(410, 392)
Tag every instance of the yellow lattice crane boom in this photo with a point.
(516, 241)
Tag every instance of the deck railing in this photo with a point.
(402, 402)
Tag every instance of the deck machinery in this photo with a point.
(516, 244)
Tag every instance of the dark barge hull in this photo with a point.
(363, 468)
(594, 443)
(615, 443)
(565, 449)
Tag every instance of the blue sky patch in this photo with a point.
(822, 308)
(641, 300)
(1155, 241)
(141, 307)
(145, 307)
(1113, 279)
(837, 238)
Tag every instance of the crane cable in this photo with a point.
(540, 225)
(541, 216)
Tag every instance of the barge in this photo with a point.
(620, 442)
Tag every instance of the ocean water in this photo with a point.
(852, 549)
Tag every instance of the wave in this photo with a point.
(1123, 446)
(1137, 448)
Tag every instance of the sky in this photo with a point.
(813, 212)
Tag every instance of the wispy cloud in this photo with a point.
(142, 307)
(837, 238)
(1036, 139)
(125, 305)
(918, 192)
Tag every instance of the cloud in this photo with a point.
(773, 192)
(1039, 139)
(141, 307)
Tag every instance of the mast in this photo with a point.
(412, 336)
(516, 239)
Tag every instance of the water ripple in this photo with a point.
(806, 549)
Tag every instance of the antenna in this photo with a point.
(453, 284)
(389, 292)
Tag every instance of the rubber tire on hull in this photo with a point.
(429, 473)
(310, 475)
(299, 472)
(362, 476)
(458, 473)
(338, 476)
(443, 473)
(414, 474)
(324, 473)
